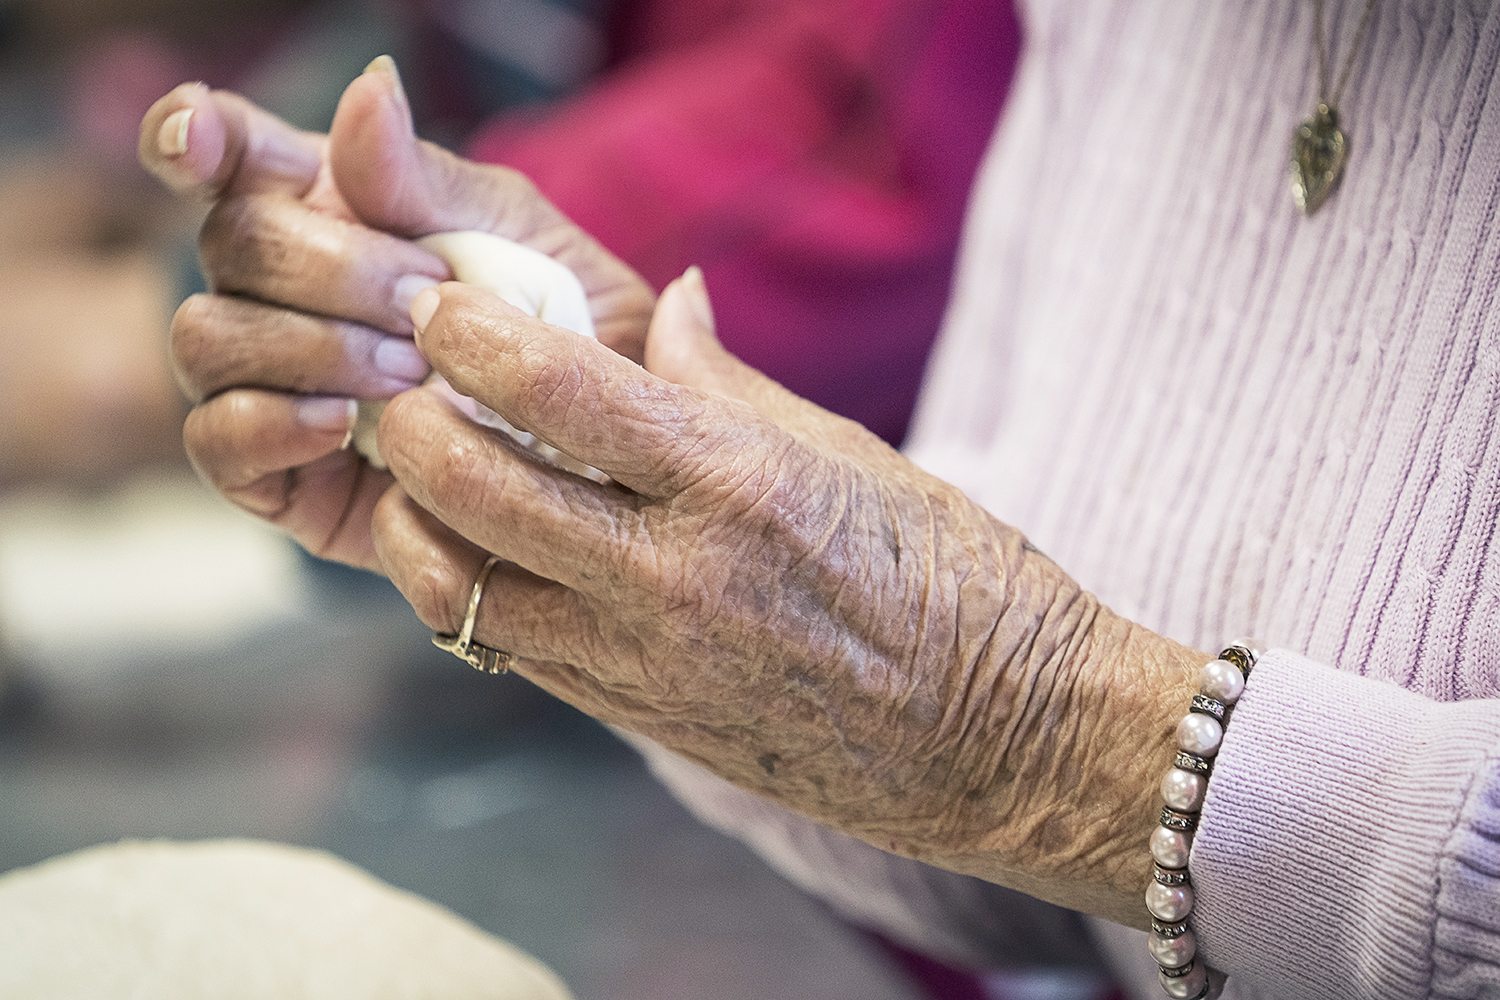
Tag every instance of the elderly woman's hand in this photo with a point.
(312, 276)
(763, 587)
(768, 589)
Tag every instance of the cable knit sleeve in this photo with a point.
(1350, 843)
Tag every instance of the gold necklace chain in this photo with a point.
(1319, 147)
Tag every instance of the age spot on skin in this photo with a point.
(893, 542)
(767, 762)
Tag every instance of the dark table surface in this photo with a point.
(343, 729)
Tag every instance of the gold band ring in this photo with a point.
(462, 645)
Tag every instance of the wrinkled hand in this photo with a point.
(763, 587)
(306, 250)
(773, 592)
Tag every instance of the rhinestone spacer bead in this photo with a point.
(1204, 705)
(1192, 762)
(1174, 820)
(1170, 876)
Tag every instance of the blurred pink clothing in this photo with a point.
(814, 158)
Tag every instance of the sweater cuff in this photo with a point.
(1345, 821)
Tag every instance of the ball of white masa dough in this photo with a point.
(241, 920)
(527, 279)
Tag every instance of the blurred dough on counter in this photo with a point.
(236, 920)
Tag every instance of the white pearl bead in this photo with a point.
(1173, 952)
(1185, 987)
(1169, 902)
(1200, 734)
(1170, 848)
(1222, 680)
(1183, 790)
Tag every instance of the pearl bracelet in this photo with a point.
(1169, 897)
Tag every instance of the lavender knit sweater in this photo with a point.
(1225, 418)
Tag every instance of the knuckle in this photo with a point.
(196, 441)
(749, 462)
(465, 478)
(400, 422)
(222, 438)
(557, 376)
(233, 242)
(636, 558)
(257, 244)
(192, 361)
(319, 351)
(236, 422)
(455, 470)
(547, 380)
(432, 590)
(432, 586)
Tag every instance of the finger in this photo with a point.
(276, 249)
(505, 499)
(435, 569)
(279, 457)
(220, 342)
(682, 347)
(649, 434)
(392, 181)
(552, 632)
(213, 143)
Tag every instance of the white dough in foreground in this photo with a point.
(527, 279)
(241, 920)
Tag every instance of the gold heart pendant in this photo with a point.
(1317, 159)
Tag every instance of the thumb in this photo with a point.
(680, 342)
(393, 181)
(374, 156)
(681, 347)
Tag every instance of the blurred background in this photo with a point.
(171, 668)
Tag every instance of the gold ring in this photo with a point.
(462, 645)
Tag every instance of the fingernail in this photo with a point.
(406, 288)
(398, 357)
(423, 306)
(385, 64)
(328, 413)
(172, 137)
(697, 293)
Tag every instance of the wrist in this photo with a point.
(1144, 689)
(1091, 704)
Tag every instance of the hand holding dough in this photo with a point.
(529, 280)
